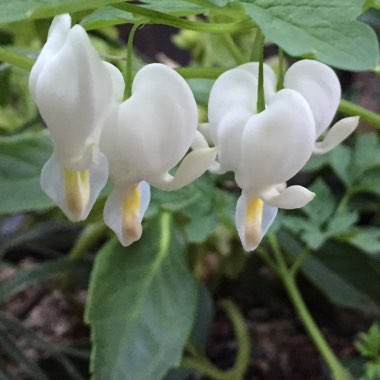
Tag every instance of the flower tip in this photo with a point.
(131, 230)
(252, 235)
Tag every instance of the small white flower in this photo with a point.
(264, 149)
(73, 89)
(145, 137)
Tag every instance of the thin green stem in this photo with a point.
(205, 367)
(129, 73)
(338, 372)
(298, 262)
(353, 109)
(233, 49)
(344, 201)
(200, 363)
(15, 59)
(256, 47)
(165, 19)
(242, 338)
(260, 87)
(280, 77)
(90, 235)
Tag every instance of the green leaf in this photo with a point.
(21, 161)
(368, 240)
(368, 344)
(344, 274)
(366, 153)
(325, 30)
(310, 233)
(174, 7)
(323, 205)
(341, 222)
(340, 159)
(141, 305)
(370, 181)
(107, 16)
(18, 10)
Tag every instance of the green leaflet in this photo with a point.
(141, 305)
(344, 274)
(18, 10)
(325, 30)
(21, 161)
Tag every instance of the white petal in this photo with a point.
(113, 210)
(53, 183)
(238, 87)
(320, 86)
(58, 31)
(73, 94)
(290, 198)
(152, 130)
(191, 167)
(204, 129)
(336, 134)
(276, 143)
(117, 81)
(229, 136)
(268, 216)
(199, 141)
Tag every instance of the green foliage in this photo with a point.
(368, 345)
(344, 274)
(21, 160)
(153, 299)
(327, 31)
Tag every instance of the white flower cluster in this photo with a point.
(137, 142)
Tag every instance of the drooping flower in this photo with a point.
(73, 89)
(266, 149)
(145, 137)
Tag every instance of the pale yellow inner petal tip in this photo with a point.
(131, 226)
(77, 191)
(252, 231)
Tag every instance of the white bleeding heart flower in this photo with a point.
(146, 136)
(73, 89)
(264, 149)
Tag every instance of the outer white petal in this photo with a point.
(320, 86)
(52, 183)
(237, 88)
(336, 134)
(113, 210)
(269, 214)
(276, 143)
(228, 137)
(151, 131)
(117, 81)
(58, 31)
(270, 80)
(73, 94)
(192, 167)
(290, 198)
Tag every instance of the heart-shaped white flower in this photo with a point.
(73, 89)
(146, 136)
